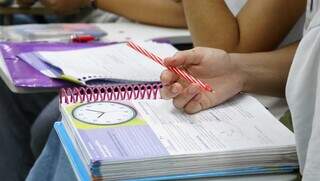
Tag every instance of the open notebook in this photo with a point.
(115, 63)
(125, 132)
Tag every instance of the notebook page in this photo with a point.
(113, 62)
(242, 123)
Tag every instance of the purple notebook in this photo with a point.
(24, 75)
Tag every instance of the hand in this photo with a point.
(213, 66)
(65, 7)
(26, 3)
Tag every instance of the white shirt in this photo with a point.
(303, 95)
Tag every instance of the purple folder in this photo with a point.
(24, 75)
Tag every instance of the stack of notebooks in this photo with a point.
(125, 132)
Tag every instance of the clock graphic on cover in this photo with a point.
(104, 113)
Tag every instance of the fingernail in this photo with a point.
(164, 80)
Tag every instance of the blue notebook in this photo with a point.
(83, 175)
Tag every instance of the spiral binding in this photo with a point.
(110, 92)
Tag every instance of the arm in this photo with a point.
(265, 73)
(229, 74)
(156, 12)
(259, 26)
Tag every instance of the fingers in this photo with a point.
(184, 58)
(186, 95)
(169, 92)
(171, 88)
(194, 105)
(225, 88)
(167, 77)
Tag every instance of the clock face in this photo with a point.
(104, 113)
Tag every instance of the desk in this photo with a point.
(8, 12)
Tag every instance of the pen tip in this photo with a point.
(208, 87)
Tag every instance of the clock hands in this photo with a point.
(101, 113)
(95, 111)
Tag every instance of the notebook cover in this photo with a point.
(82, 174)
(24, 75)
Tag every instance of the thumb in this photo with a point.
(184, 58)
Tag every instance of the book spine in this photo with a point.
(110, 92)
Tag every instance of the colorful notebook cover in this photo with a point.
(82, 174)
(23, 74)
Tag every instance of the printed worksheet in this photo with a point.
(142, 129)
(241, 123)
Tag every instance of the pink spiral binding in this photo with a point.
(109, 92)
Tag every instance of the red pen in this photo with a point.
(82, 38)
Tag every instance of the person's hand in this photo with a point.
(26, 3)
(65, 7)
(213, 66)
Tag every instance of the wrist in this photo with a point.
(240, 71)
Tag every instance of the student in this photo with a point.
(162, 13)
(292, 71)
(52, 152)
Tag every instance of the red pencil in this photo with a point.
(180, 72)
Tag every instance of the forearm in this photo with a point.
(265, 73)
(259, 26)
(161, 13)
(211, 24)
